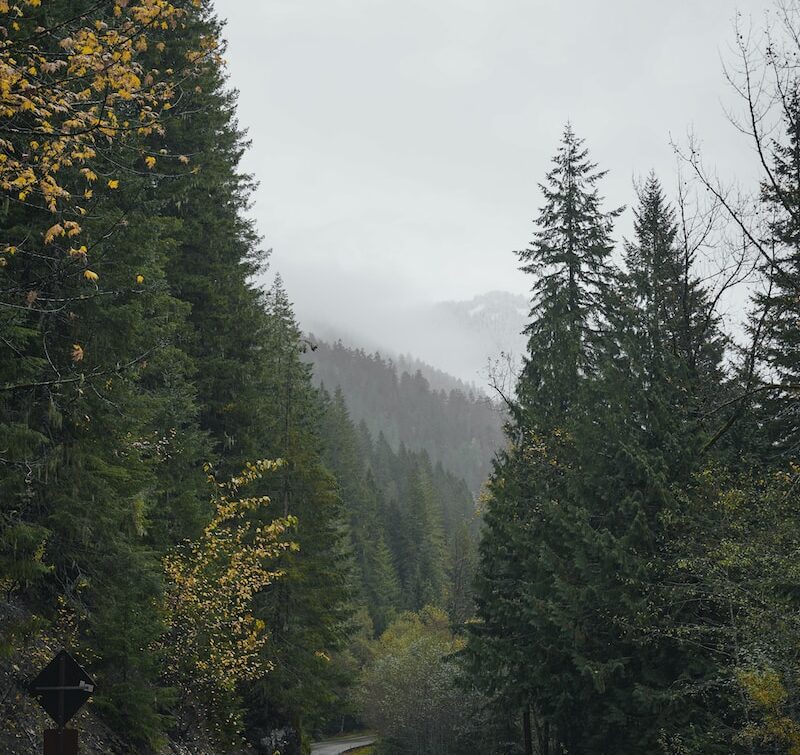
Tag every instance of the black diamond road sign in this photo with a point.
(62, 687)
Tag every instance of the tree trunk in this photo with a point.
(526, 730)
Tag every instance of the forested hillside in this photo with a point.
(437, 379)
(141, 372)
(413, 525)
(179, 506)
(469, 339)
(459, 428)
(251, 539)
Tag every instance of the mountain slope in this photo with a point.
(458, 428)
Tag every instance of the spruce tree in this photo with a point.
(569, 260)
(777, 303)
(103, 417)
(309, 610)
(636, 444)
(348, 459)
(534, 610)
(423, 565)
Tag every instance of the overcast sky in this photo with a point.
(399, 143)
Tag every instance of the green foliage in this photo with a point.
(605, 431)
(309, 610)
(637, 587)
(413, 662)
(730, 563)
(534, 643)
(377, 578)
(412, 526)
(774, 321)
(122, 386)
(569, 257)
(105, 452)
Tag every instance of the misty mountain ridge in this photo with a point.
(496, 312)
(458, 428)
(468, 339)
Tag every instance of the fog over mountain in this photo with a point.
(271, 472)
(464, 338)
(399, 146)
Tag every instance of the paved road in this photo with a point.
(336, 746)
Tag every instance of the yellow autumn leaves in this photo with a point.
(88, 85)
(214, 638)
(765, 688)
(72, 86)
(69, 228)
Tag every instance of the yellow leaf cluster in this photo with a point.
(214, 641)
(765, 688)
(70, 90)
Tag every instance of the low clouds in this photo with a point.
(399, 145)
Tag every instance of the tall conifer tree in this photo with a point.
(780, 350)
(528, 648)
(348, 459)
(310, 608)
(569, 261)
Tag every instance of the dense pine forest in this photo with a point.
(253, 539)
(460, 427)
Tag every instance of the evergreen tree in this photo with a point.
(310, 608)
(422, 566)
(461, 575)
(569, 259)
(778, 302)
(720, 536)
(217, 255)
(377, 578)
(104, 464)
(171, 347)
(575, 527)
(530, 646)
(636, 445)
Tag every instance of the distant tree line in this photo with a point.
(413, 525)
